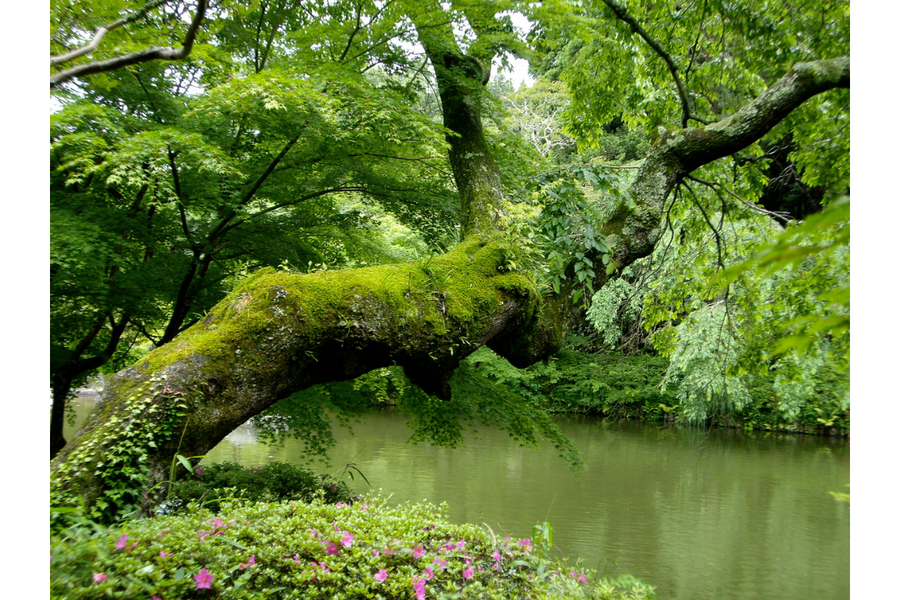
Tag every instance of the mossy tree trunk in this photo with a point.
(278, 333)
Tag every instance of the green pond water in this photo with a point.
(700, 514)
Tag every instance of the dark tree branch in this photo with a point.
(622, 14)
(154, 53)
(223, 224)
(181, 200)
(353, 33)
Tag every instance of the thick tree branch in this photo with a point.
(460, 86)
(677, 154)
(154, 53)
(696, 147)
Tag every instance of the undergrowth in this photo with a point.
(296, 549)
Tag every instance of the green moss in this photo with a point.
(265, 339)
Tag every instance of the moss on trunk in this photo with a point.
(278, 333)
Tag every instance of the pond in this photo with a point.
(700, 514)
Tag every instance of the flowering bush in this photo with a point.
(311, 550)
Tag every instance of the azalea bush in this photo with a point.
(272, 482)
(295, 549)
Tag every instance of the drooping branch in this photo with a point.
(111, 64)
(686, 104)
(279, 333)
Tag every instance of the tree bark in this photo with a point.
(461, 80)
(278, 333)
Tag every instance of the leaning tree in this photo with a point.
(278, 333)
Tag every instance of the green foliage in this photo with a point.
(615, 313)
(272, 482)
(313, 550)
(755, 331)
(559, 239)
(476, 401)
(608, 385)
(117, 481)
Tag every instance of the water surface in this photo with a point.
(701, 515)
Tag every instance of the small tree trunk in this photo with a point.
(61, 387)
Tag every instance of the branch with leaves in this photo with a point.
(124, 60)
(686, 104)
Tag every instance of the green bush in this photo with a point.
(315, 550)
(273, 482)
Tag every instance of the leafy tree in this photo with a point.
(277, 333)
(161, 196)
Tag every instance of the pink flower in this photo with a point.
(428, 574)
(468, 573)
(203, 579)
(296, 559)
(347, 540)
(133, 546)
(198, 471)
(99, 577)
(381, 575)
(526, 545)
(418, 552)
(218, 523)
(163, 553)
(419, 589)
(496, 555)
(123, 541)
(322, 566)
(250, 562)
(332, 548)
(155, 598)
(364, 507)
(439, 562)
(340, 505)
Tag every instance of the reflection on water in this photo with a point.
(699, 514)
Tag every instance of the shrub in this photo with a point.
(273, 482)
(314, 550)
